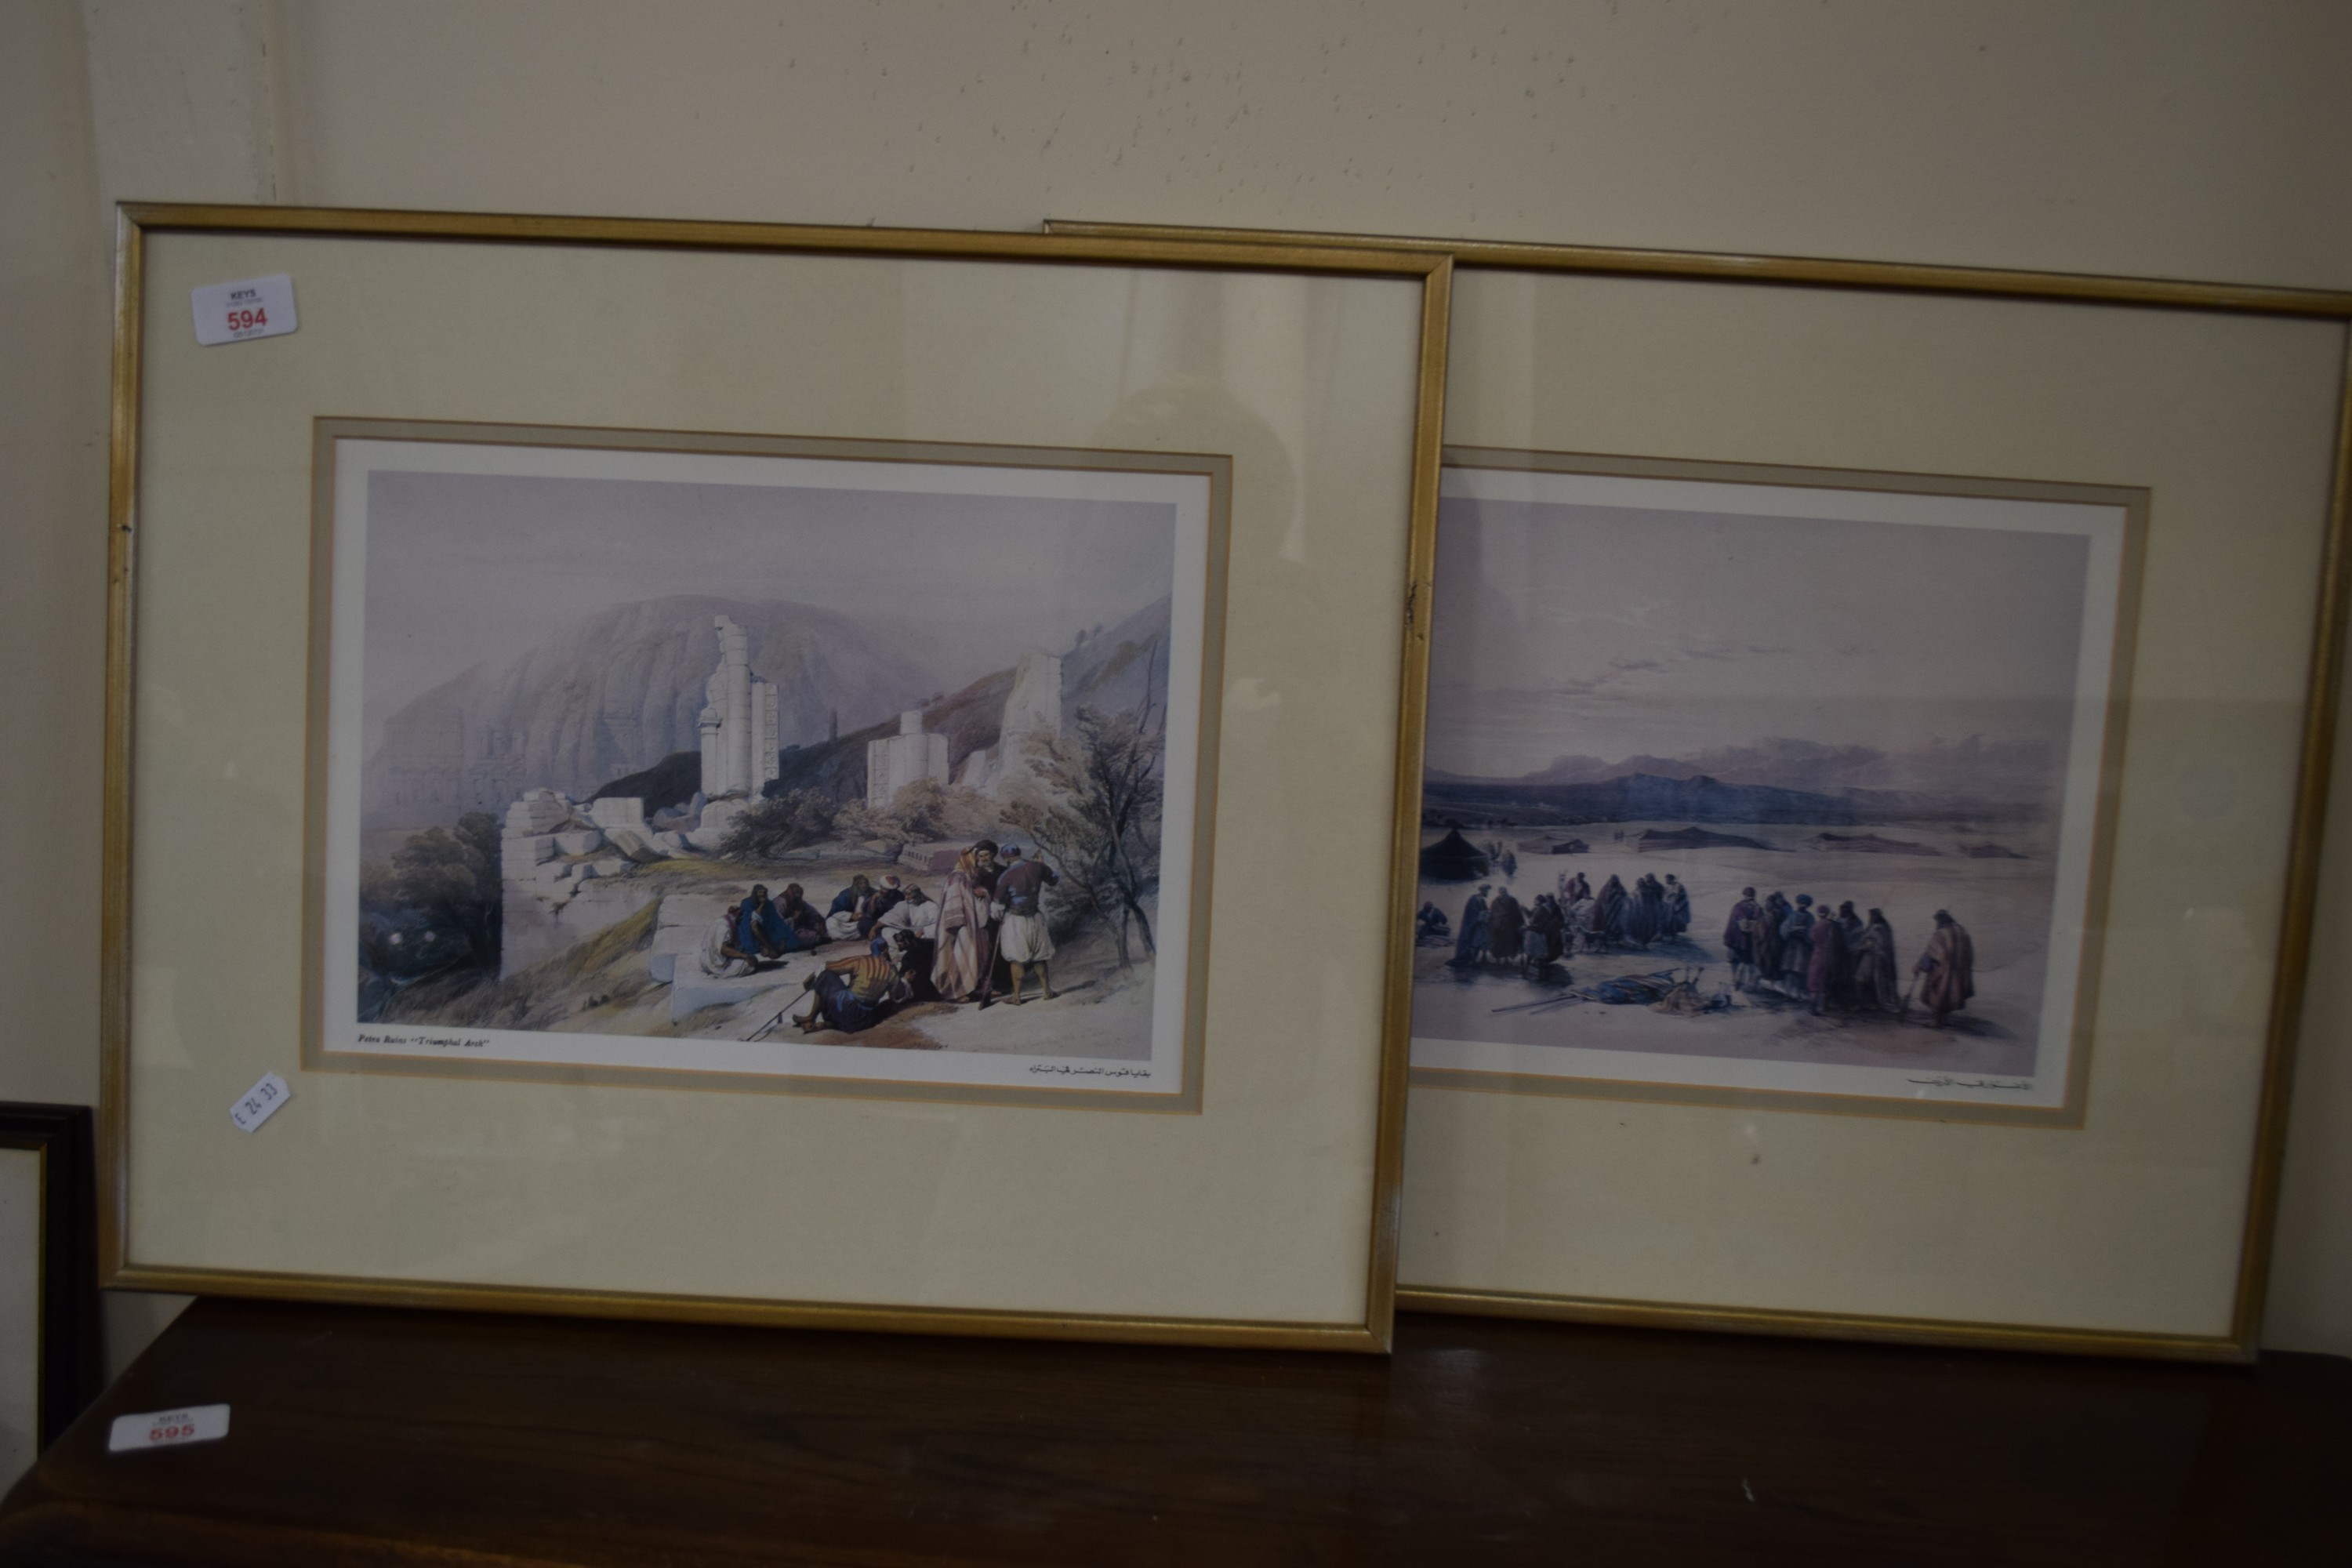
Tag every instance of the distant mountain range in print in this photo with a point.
(1773, 781)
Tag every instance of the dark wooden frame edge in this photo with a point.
(71, 1351)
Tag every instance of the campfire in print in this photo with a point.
(1740, 797)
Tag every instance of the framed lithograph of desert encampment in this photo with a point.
(731, 771)
(2005, 608)
(1770, 786)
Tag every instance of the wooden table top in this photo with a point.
(368, 1436)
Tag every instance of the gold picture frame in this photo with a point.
(1416, 396)
(2236, 1322)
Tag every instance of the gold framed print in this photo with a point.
(728, 766)
(1888, 711)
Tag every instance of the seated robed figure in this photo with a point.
(760, 930)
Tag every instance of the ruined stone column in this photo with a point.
(764, 739)
(735, 658)
(1033, 712)
(714, 750)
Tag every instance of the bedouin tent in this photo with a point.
(1453, 859)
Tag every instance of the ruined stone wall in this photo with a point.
(565, 872)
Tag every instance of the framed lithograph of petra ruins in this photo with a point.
(1881, 721)
(933, 811)
(734, 772)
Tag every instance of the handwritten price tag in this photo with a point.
(168, 1429)
(259, 1103)
(250, 308)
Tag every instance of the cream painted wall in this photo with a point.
(2185, 138)
(53, 400)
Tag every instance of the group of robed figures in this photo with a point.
(990, 911)
(1837, 960)
(1829, 960)
(1572, 919)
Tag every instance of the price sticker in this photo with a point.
(251, 308)
(168, 1429)
(259, 1103)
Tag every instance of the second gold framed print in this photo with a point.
(2006, 608)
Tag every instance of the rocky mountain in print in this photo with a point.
(1112, 669)
(621, 689)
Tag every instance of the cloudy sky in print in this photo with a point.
(1579, 631)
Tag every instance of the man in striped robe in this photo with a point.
(852, 994)
(963, 971)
